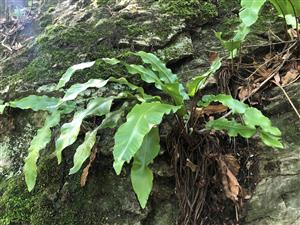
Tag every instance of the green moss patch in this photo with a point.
(15, 204)
(190, 9)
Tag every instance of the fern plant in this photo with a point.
(288, 9)
(137, 139)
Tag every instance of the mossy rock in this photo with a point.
(15, 204)
(86, 31)
(59, 199)
(189, 10)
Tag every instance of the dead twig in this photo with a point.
(288, 98)
(297, 78)
(4, 45)
(272, 75)
(266, 45)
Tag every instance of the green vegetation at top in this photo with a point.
(249, 13)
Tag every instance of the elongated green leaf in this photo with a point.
(112, 119)
(240, 35)
(76, 89)
(69, 73)
(70, 131)
(216, 64)
(157, 65)
(232, 127)
(287, 7)
(146, 74)
(111, 61)
(235, 105)
(124, 81)
(38, 143)
(198, 82)
(234, 43)
(140, 120)
(143, 97)
(160, 75)
(291, 20)
(174, 90)
(177, 92)
(67, 107)
(84, 150)
(248, 15)
(36, 103)
(231, 44)
(271, 140)
(250, 11)
(141, 174)
(253, 117)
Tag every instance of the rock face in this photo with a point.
(277, 196)
(181, 33)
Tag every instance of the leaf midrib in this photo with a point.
(131, 136)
